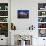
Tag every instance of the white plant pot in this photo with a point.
(22, 43)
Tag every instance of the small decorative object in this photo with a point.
(3, 13)
(42, 25)
(3, 26)
(3, 19)
(13, 27)
(41, 8)
(31, 27)
(6, 7)
(23, 14)
(43, 39)
(0, 7)
(40, 19)
(45, 7)
(43, 13)
(42, 32)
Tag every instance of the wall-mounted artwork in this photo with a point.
(23, 14)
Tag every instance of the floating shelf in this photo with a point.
(41, 22)
(3, 16)
(42, 16)
(41, 28)
(3, 22)
(3, 10)
(4, 19)
(42, 19)
(41, 10)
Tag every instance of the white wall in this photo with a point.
(32, 6)
(23, 24)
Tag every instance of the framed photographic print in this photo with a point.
(23, 14)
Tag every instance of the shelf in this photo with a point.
(41, 10)
(3, 22)
(42, 19)
(4, 19)
(41, 28)
(41, 22)
(3, 10)
(42, 16)
(3, 16)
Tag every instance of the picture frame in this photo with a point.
(22, 14)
